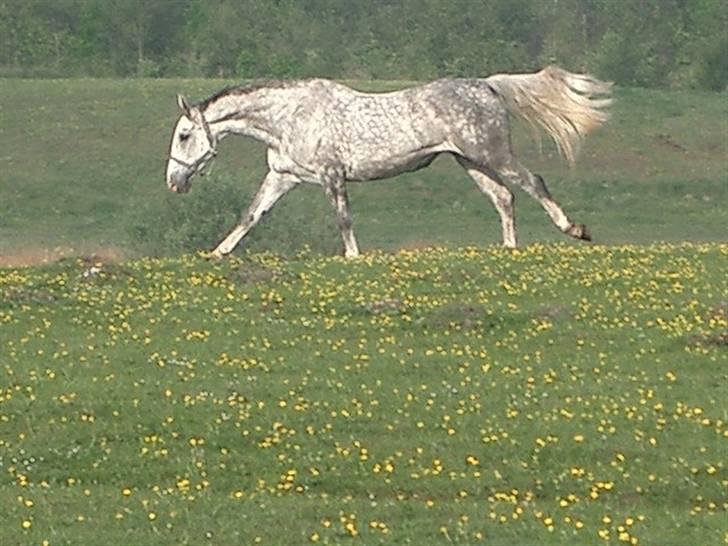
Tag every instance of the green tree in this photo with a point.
(657, 43)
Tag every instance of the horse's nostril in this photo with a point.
(179, 187)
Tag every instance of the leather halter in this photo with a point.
(198, 165)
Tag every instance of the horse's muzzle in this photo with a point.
(180, 189)
(176, 189)
(179, 186)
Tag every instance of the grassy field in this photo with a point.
(553, 395)
(437, 390)
(83, 161)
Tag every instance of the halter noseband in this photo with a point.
(198, 165)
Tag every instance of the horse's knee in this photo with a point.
(503, 198)
(343, 220)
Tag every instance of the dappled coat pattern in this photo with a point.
(325, 133)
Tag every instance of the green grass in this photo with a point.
(556, 394)
(83, 162)
(542, 396)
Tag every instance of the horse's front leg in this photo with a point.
(335, 189)
(274, 186)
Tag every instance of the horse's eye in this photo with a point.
(183, 137)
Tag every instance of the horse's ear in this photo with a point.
(184, 106)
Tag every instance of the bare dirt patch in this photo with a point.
(29, 257)
(669, 141)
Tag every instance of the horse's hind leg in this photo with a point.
(274, 186)
(501, 197)
(335, 189)
(535, 186)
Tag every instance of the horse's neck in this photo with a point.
(252, 114)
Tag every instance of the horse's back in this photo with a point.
(376, 135)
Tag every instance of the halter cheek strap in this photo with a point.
(198, 165)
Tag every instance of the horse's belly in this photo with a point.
(389, 161)
(372, 169)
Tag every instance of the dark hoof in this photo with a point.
(579, 231)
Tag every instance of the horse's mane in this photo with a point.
(243, 90)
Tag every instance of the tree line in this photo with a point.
(646, 43)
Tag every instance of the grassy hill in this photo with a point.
(550, 395)
(82, 164)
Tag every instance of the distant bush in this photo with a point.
(200, 220)
(714, 66)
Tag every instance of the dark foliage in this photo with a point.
(652, 43)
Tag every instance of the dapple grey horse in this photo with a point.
(322, 132)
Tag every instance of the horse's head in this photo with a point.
(193, 146)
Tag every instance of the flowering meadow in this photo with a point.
(551, 395)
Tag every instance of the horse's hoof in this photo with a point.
(214, 255)
(351, 254)
(579, 231)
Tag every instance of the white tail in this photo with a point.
(567, 106)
